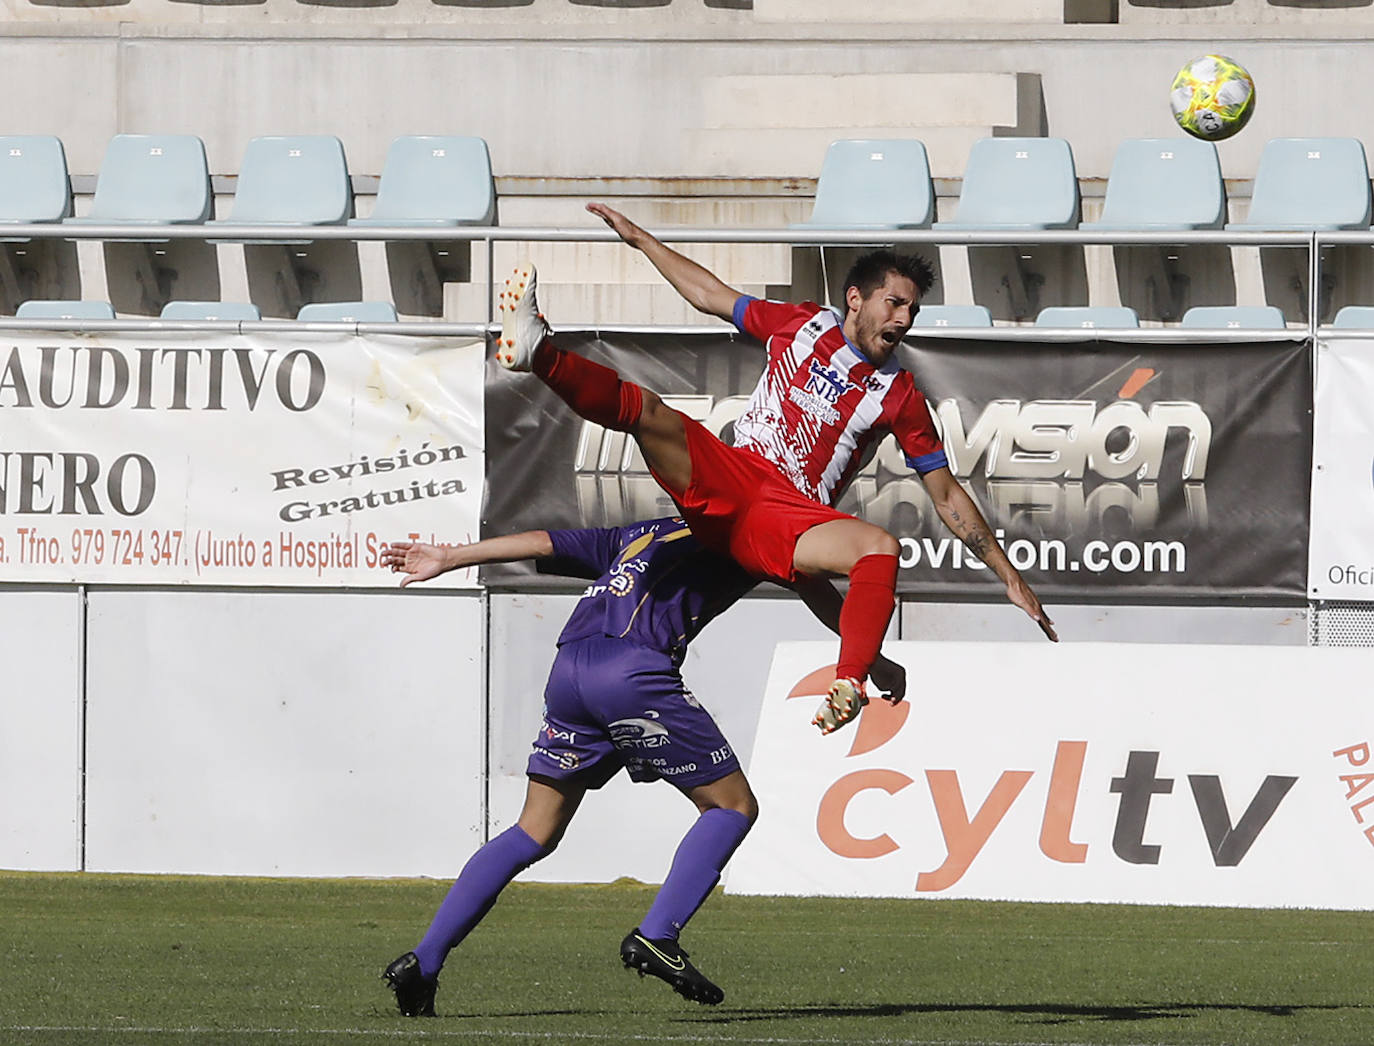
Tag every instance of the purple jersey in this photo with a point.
(655, 585)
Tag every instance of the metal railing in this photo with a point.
(1313, 242)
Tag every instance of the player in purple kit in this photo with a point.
(615, 698)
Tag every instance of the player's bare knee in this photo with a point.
(877, 542)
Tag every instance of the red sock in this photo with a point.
(595, 392)
(867, 610)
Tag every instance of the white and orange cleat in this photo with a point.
(842, 705)
(523, 327)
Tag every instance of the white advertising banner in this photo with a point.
(201, 458)
(1134, 773)
(1340, 550)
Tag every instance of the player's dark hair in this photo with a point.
(870, 271)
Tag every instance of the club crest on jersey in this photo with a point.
(823, 389)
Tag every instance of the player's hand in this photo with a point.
(1020, 593)
(623, 227)
(418, 561)
(889, 678)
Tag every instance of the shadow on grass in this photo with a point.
(1038, 1013)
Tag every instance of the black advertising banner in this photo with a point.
(1163, 472)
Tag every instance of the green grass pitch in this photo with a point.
(95, 959)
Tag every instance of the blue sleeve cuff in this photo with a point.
(928, 462)
(741, 303)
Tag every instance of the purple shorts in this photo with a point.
(611, 703)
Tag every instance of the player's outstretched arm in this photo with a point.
(702, 288)
(420, 561)
(823, 599)
(960, 514)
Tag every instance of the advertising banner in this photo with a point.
(210, 459)
(1173, 774)
(1106, 469)
(1342, 546)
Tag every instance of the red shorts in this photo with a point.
(739, 503)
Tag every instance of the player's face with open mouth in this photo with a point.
(884, 317)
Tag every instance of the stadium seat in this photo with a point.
(34, 185)
(873, 183)
(953, 316)
(1354, 316)
(292, 180)
(1107, 316)
(1309, 183)
(1250, 317)
(1013, 184)
(160, 179)
(348, 312)
(1163, 183)
(64, 310)
(432, 180)
(210, 310)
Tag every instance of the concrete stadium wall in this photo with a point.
(333, 733)
(727, 123)
(556, 110)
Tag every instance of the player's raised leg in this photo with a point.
(868, 554)
(549, 807)
(728, 811)
(594, 392)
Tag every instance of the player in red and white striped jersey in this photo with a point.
(831, 388)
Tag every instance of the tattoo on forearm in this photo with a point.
(978, 542)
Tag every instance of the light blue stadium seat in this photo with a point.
(1360, 317)
(953, 316)
(1249, 317)
(1013, 184)
(1309, 183)
(434, 180)
(64, 310)
(1163, 183)
(158, 179)
(288, 180)
(34, 185)
(1108, 316)
(348, 312)
(873, 183)
(210, 310)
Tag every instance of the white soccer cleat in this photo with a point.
(523, 328)
(842, 705)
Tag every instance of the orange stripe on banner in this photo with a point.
(1137, 381)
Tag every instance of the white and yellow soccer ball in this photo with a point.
(1213, 97)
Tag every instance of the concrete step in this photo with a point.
(585, 304)
(940, 99)
(900, 11)
(763, 152)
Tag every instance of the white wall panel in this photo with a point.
(40, 729)
(285, 733)
(1267, 626)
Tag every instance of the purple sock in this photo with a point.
(700, 856)
(471, 897)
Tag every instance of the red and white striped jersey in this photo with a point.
(821, 404)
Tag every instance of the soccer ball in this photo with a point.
(1213, 97)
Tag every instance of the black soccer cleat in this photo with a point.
(414, 993)
(668, 962)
